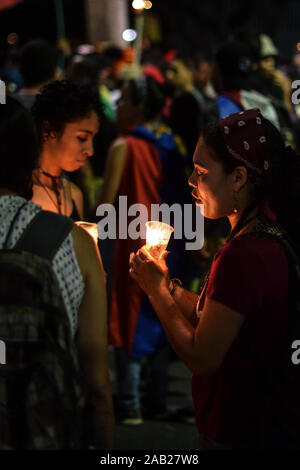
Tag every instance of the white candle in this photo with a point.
(157, 237)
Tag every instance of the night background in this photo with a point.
(138, 104)
(189, 25)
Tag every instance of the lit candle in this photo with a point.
(90, 228)
(157, 237)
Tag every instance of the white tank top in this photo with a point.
(65, 264)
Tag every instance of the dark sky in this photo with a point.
(204, 24)
(36, 18)
(193, 24)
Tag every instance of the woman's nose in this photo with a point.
(192, 181)
(89, 150)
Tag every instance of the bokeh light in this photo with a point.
(138, 4)
(12, 39)
(129, 35)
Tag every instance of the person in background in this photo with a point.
(38, 66)
(204, 66)
(77, 263)
(86, 70)
(9, 68)
(279, 84)
(187, 101)
(270, 88)
(67, 119)
(137, 167)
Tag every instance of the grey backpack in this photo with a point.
(42, 391)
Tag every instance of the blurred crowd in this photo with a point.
(166, 100)
(242, 73)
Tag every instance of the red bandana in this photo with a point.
(243, 134)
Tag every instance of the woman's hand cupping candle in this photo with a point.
(151, 274)
(157, 238)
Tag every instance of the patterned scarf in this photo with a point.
(243, 134)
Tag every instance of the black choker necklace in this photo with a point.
(56, 189)
(48, 174)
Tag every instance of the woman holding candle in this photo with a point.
(67, 119)
(234, 335)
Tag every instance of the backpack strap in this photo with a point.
(45, 234)
(12, 225)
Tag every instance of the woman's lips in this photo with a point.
(196, 197)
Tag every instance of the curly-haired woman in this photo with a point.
(77, 267)
(67, 119)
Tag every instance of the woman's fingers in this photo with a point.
(144, 254)
(137, 260)
(164, 255)
(134, 262)
(136, 277)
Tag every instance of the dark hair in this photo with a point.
(38, 61)
(283, 193)
(146, 91)
(18, 148)
(200, 57)
(84, 70)
(234, 60)
(60, 103)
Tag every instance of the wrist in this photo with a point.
(162, 290)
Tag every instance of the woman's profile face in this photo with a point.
(70, 150)
(212, 187)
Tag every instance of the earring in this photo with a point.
(236, 202)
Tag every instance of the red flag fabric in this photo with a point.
(4, 4)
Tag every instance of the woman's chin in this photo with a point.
(201, 206)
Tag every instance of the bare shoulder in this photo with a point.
(117, 152)
(118, 144)
(75, 190)
(76, 195)
(83, 246)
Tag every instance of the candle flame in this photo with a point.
(157, 237)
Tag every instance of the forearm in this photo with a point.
(186, 301)
(179, 330)
(103, 420)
